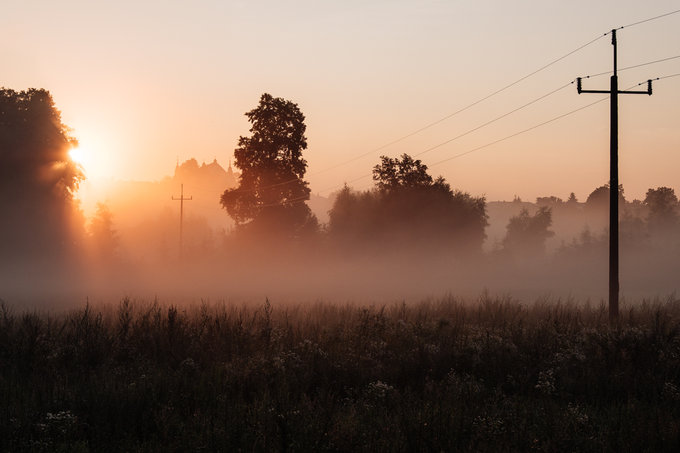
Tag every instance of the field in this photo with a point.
(441, 375)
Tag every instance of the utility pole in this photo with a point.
(614, 181)
(181, 200)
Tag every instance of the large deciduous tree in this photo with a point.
(38, 179)
(272, 192)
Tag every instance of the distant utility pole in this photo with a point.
(181, 200)
(614, 182)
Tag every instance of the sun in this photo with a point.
(86, 158)
(94, 160)
(78, 155)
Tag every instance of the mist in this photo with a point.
(256, 231)
(130, 247)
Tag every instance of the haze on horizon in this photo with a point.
(149, 88)
(145, 85)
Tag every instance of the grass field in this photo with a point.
(445, 375)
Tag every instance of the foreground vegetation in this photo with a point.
(495, 375)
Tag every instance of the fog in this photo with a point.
(248, 235)
(135, 253)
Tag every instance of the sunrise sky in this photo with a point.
(143, 84)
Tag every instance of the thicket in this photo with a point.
(494, 375)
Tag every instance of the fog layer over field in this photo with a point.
(257, 232)
(142, 260)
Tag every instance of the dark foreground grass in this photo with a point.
(441, 376)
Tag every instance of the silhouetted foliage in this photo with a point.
(408, 208)
(272, 192)
(37, 176)
(551, 201)
(526, 234)
(104, 237)
(445, 375)
(663, 210)
(394, 174)
(599, 198)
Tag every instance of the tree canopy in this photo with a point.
(272, 191)
(37, 177)
(404, 173)
(408, 207)
(527, 234)
(599, 198)
(663, 208)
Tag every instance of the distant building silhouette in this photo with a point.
(206, 175)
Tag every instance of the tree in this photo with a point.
(104, 237)
(272, 191)
(662, 204)
(37, 177)
(393, 174)
(599, 198)
(549, 202)
(408, 209)
(526, 234)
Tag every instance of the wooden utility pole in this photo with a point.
(181, 200)
(614, 181)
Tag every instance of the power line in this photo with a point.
(632, 67)
(536, 126)
(661, 78)
(540, 124)
(517, 133)
(495, 119)
(647, 20)
(478, 148)
(438, 121)
(467, 107)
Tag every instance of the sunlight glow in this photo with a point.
(93, 157)
(78, 155)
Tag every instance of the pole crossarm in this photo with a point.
(581, 90)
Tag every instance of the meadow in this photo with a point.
(493, 374)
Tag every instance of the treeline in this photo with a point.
(408, 211)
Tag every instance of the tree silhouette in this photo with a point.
(408, 209)
(104, 237)
(599, 198)
(393, 174)
(526, 234)
(37, 177)
(663, 210)
(271, 188)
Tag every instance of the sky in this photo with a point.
(145, 83)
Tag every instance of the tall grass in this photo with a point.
(442, 375)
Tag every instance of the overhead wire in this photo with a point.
(507, 137)
(495, 119)
(647, 20)
(440, 120)
(632, 67)
(461, 110)
(536, 126)
(542, 124)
